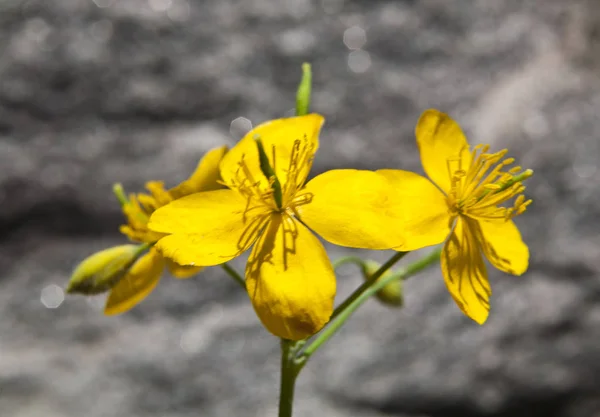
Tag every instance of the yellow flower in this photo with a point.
(289, 277)
(145, 273)
(463, 210)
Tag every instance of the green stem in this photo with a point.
(235, 275)
(360, 290)
(348, 260)
(289, 372)
(358, 298)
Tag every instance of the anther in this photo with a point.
(515, 170)
(520, 200)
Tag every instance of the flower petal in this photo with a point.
(465, 273)
(502, 245)
(423, 208)
(351, 208)
(205, 176)
(443, 147)
(207, 228)
(280, 135)
(136, 285)
(290, 280)
(182, 271)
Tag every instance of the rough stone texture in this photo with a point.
(93, 92)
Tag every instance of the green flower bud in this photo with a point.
(391, 294)
(103, 270)
(304, 89)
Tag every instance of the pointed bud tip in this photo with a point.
(119, 192)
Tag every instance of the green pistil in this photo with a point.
(503, 186)
(517, 178)
(269, 172)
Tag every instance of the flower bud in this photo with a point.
(391, 294)
(103, 270)
(304, 89)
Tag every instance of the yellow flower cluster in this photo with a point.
(255, 196)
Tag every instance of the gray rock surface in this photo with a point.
(98, 91)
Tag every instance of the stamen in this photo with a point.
(456, 173)
(487, 185)
(248, 187)
(302, 199)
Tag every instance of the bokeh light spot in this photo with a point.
(359, 61)
(355, 37)
(52, 296)
(239, 127)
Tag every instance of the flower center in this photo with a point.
(282, 192)
(478, 189)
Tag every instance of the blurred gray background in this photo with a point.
(98, 91)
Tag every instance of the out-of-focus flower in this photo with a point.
(128, 272)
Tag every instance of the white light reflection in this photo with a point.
(355, 37)
(52, 296)
(359, 61)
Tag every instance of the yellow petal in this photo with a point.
(465, 273)
(136, 285)
(182, 271)
(207, 228)
(502, 245)
(351, 208)
(205, 176)
(290, 280)
(281, 135)
(443, 147)
(422, 207)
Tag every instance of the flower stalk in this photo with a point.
(289, 373)
(362, 294)
(367, 284)
(234, 274)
